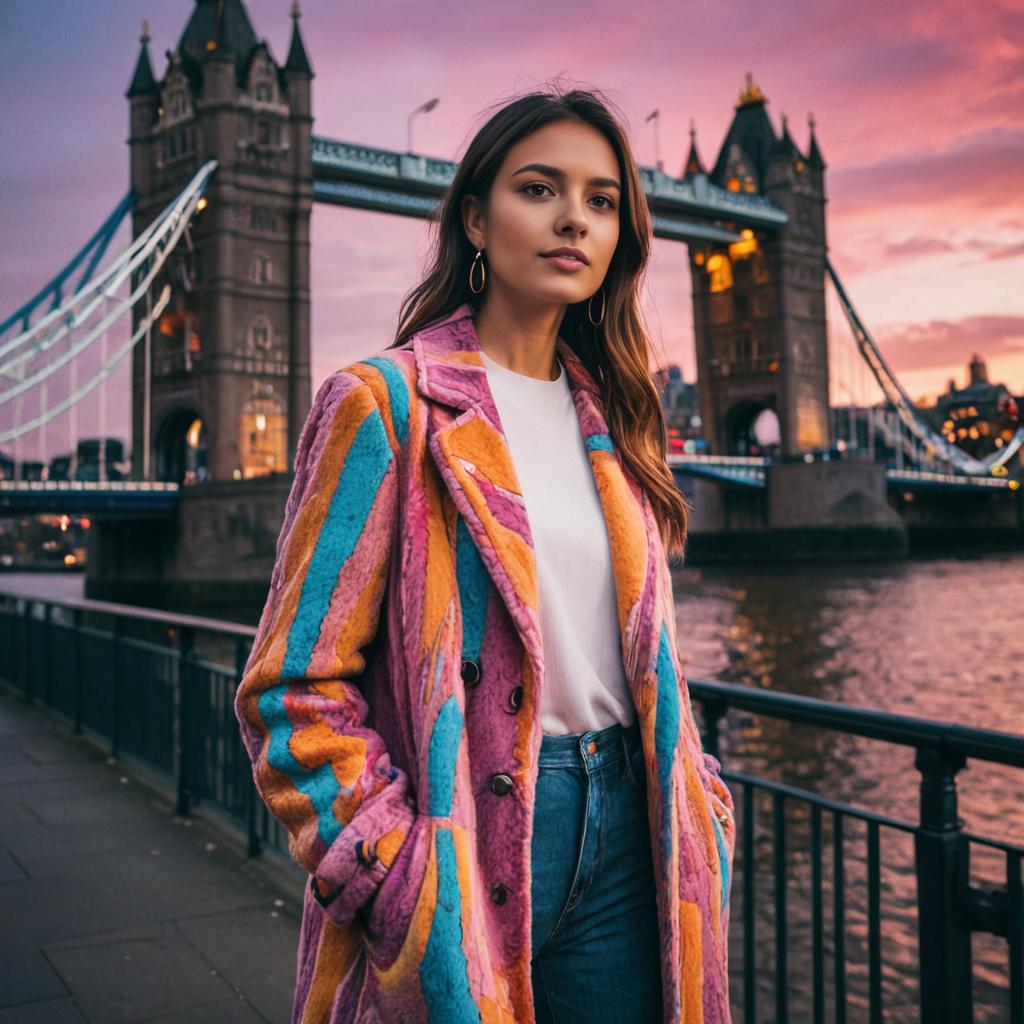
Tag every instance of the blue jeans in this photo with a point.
(595, 923)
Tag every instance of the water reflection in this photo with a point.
(928, 638)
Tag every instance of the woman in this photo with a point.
(465, 699)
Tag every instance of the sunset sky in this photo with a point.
(919, 110)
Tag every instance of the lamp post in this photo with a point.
(422, 109)
(653, 116)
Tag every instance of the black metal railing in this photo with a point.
(157, 686)
(160, 686)
(950, 912)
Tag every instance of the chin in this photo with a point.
(561, 296)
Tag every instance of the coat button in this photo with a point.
(470, 672)
(501, 784)
(499, 893)
(515, 700)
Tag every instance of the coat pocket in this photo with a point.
(387, 915)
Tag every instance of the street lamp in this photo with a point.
(653, 116)
(422, 109)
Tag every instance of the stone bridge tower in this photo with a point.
(759, 303)
(230, 366)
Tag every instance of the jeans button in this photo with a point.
(501, 784)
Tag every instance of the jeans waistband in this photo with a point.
(596, 746)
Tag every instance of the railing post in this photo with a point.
(712, 711)
(26, 689)
(76, 665)
(115, 649)
(187, 652)
(940, 855)
(47, 689)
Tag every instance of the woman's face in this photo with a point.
(559, 186)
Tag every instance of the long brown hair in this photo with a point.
(617, 351)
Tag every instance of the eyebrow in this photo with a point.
(557, 172)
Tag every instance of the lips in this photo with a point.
(567, 252)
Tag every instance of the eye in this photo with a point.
(541, 184)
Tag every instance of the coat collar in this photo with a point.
(475, 462)
(450, 368)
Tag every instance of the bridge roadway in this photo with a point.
(114, 910)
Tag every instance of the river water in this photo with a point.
(935, 638)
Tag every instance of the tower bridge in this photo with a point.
(210, 303)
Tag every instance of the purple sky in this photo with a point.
(919, 110)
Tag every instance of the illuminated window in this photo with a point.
(745, 246)
(720, 272)
(263, 439)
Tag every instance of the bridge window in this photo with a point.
(719, 271)
(263, 443)
(260, 336)
(267, 132)
(261, 269)
(264, 92)
(263, 218)
(176, 104)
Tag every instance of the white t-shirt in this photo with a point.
(584, 684)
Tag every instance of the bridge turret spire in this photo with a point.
(298, 59)
(694, 165)
(786, 147)
(143, 82)
(814, 157)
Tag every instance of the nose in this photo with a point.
(573, 218)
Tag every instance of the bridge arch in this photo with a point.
(181, 443)
(753, 428)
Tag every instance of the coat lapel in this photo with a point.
(474, 459)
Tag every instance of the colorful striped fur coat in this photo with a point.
(397, 669)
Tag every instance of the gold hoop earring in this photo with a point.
(590, 312)
(483, 273)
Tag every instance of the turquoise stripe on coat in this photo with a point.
(360, 478)
(600, 442)
(666, 732)
(474, 590)
(358, 482)
(398, 393)
(443, 972)
(723, 857)
(443, 757)
(320, 785)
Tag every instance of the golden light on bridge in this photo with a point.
(720, 271)
(745, 246)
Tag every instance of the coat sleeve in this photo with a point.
(317, 766)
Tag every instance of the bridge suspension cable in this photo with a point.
(934, 443)
(24, 360)
(91, 253)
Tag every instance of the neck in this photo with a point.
(522, 339)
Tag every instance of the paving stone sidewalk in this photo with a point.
(113, 910)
